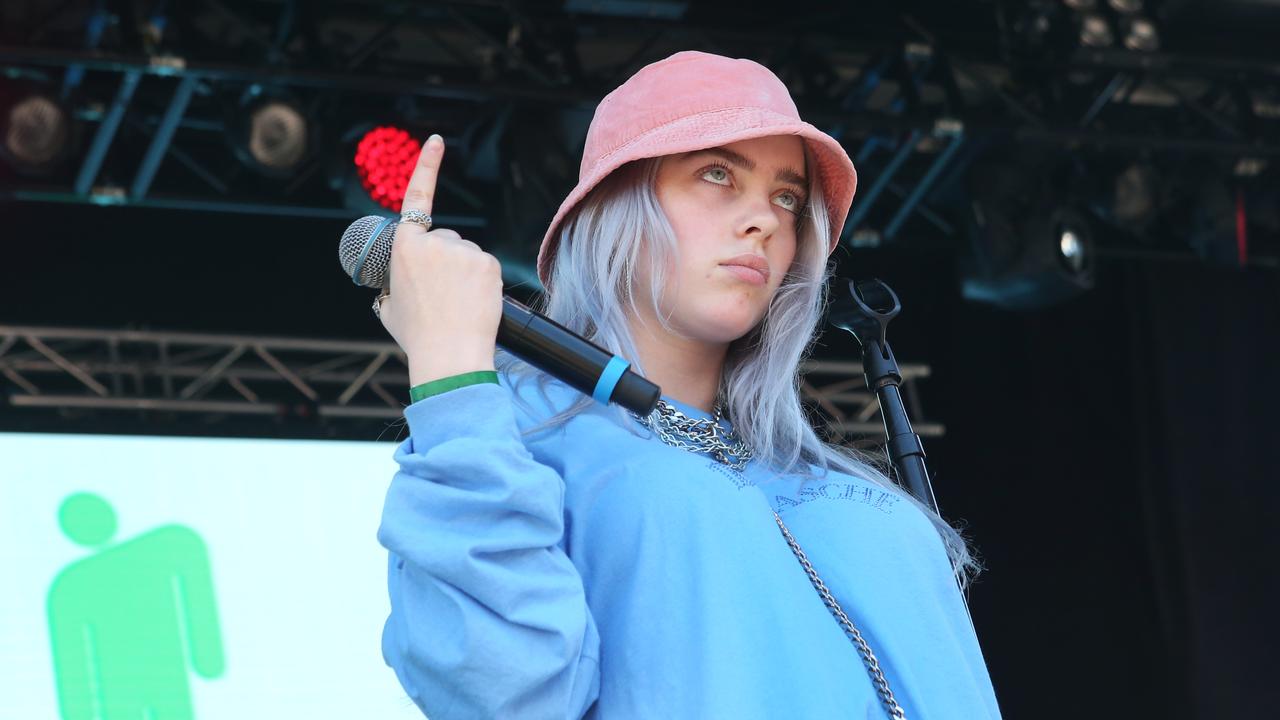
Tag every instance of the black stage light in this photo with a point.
(1096, 32)
(1140, 34)
(1028, 264)
(36, 131)
(1126, 7)
(271, 133)
(1136, 196)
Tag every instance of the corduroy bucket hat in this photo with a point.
(694, 101)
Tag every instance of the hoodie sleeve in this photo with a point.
(488, 615)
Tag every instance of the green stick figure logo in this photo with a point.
(128, 621)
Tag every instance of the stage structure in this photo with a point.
(183, 380)
(1122, 115)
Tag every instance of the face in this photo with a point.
(731, 207)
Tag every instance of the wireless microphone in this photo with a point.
(365, 254)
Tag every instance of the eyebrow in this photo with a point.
(787, 175)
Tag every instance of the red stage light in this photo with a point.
(385, 158)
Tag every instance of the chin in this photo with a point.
(725, 328)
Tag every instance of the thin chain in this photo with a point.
(706, 436)
(868, 657)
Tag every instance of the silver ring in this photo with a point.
(417, 217)
(377, 304)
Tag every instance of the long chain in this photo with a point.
(851, 630)
(706, 436)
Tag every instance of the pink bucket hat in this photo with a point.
(694, 101)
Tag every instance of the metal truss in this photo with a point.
(912, 110)
(302, 380)
(200, 373)
(852, 411)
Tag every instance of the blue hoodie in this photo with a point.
(586, 571)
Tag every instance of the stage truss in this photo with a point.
(914, 100)
(172, 375)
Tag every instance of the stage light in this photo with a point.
(1031, 263)
(1135, 196)
(36, 132)
(1080, 5)
(270, 132)
(277, 136)
(384, 159)
(1125, 7)
(1095, 31)
(1071, 249)
(1141, 35)
(1247, 167)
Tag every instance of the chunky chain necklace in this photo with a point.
(698, 435)
(706, 436)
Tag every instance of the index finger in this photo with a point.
(420, 193)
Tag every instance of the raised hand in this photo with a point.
(445, 297)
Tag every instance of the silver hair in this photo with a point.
(592, 291)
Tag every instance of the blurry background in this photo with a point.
(1076, 201)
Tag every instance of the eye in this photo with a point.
(719, 173)
(791, 201)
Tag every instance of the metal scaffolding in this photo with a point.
(304, 380)
(914, 101)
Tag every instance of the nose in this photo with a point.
(758, 218)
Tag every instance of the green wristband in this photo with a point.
(445, 384)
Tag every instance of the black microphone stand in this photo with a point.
(865, 309)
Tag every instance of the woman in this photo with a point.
(554, 558)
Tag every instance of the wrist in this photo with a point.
(453, 382)
(435, 367)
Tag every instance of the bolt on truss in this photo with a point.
(114, 370)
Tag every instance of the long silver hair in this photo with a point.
(592, 291)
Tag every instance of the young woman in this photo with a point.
(551, 557)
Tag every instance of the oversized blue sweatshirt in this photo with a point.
(586, 571)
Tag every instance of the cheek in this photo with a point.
(688, 217)
(782, 255)
(696, 239)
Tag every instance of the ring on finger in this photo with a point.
(417, 217)
(377, 303)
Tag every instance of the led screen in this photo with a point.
(231, 578)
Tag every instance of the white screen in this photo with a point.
(298, 578)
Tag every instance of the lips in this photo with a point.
(750, 262)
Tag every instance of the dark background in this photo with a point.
(1109, 455)
(1111, 458)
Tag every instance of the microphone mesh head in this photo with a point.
(373, 272)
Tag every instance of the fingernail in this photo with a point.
(435, 138)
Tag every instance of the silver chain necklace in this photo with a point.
(698, 435)
(850, 630)
(701, 435)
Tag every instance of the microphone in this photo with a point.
(365, 254)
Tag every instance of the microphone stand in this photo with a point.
(865, 312)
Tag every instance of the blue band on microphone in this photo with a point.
(609, 379)
(368, 245)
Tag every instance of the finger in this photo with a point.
(420, 193)
(451, 236)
